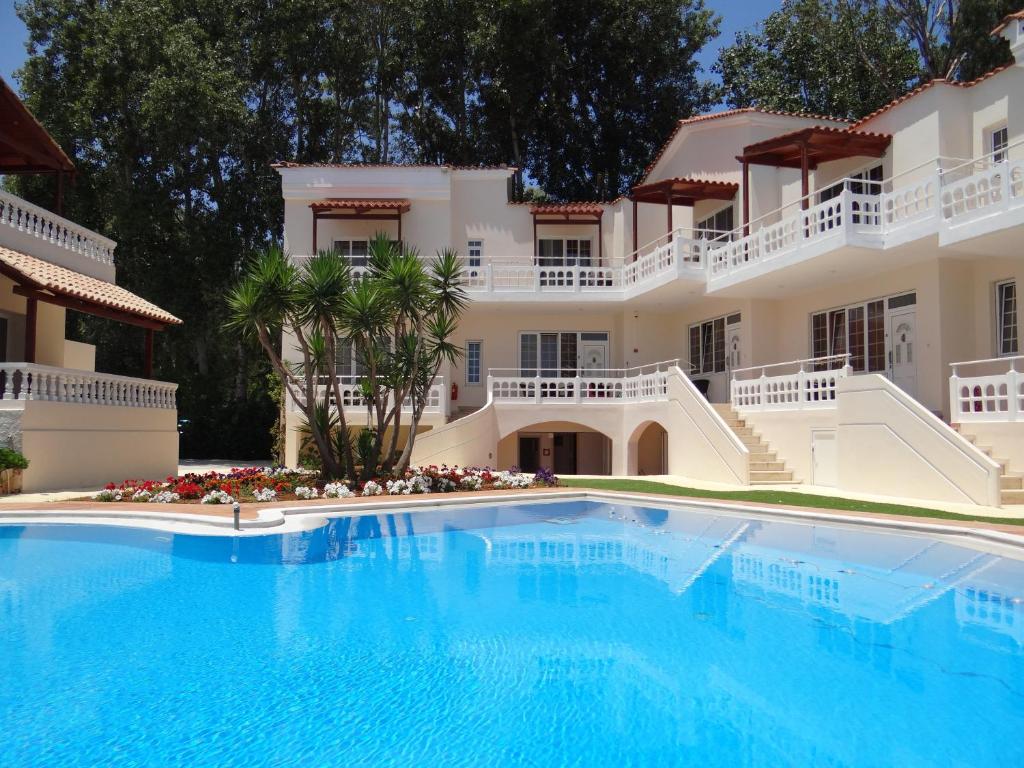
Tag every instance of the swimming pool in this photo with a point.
(566, 633)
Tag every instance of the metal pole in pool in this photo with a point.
(237, 509)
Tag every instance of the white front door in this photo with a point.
(902, 350)
(824, 457)
(594, 357)
(733, 348)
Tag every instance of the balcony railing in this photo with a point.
(794, 385)
(28, 381)
(873, 214)
(352, 396)
(561, 386)
(30, 221)
(993, 390)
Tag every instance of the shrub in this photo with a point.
(12, 459)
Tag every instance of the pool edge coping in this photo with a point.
(276, 520)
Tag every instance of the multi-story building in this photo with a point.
(78, 428)
(781, 298)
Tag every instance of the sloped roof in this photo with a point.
(819, 144)
(925, 86)
(1007, 19)
(448, 166)
(25, 145)
(61, 281)
(729, 113)
(683, 191)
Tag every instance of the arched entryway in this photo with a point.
(648, 450)
(566, 448)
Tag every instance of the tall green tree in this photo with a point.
(833, 57)
(952, 36)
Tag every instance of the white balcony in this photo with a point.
(28, 381)
(37, 232)
(438, 403)
(790, 386)
(606, 386)
(987, 390)
(956, 201)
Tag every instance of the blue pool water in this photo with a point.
(576, 634)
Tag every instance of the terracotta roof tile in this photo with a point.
(1019, 15)
(925, 86)
(728, 113)
(290, 164)
(571, 207)
(43, 275)
(370, 204)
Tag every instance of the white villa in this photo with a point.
(783, 298)
(78, 428)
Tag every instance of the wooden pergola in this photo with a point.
(678, 191)
(587, 214)
(27, 147)
(349, 209)
(806, 149)
(37, 281)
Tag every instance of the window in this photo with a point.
(475, 252)
(858, 330)
(998, 140)
(553, 354)
(346, 362)
(865, 182)
(557, 252)
(473, 349)
(353, 250)
(707, 344)
(1007, 341)
(717, 226)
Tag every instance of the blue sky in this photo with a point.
(736, 16)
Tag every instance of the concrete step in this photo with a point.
(1013, 497)
(762, 453)
(743, 431)
(1011, 482)
(766, 465)
(750, 440)
(762, 476)
(733, 423)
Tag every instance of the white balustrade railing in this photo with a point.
(994, 392)
(351, 391)
(595, 387)
(28, 381)
(991, 188)
(31, 220)
(809, 383)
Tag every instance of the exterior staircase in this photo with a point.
(1011, 484)
(765, 466)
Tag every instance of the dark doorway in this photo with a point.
(529, 454)
(565, 453)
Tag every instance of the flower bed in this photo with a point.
(263, 485)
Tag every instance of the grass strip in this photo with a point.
(789, 498)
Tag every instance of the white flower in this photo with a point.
(305, 492)
(108, 494)
(472, 482)
(141, 495)
(419, 484)
(512, 480)
(372, 489)
(265, 494)
(394, 488)
(164, 497)
(217, 497)
(336, 491)
(444, 484)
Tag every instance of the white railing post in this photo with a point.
(536, 392)
(489, 277)
(577, 384)
(1013, 391)
(955, 406)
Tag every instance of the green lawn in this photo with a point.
(776, 497)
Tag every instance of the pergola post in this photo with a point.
(746, 197)
(805, 185)
(147, 364)
(315, 217)
(635, 245)
(668, 207)
(31, 313)
(600, 242)
(399, 226)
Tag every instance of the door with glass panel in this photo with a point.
(562, 354)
